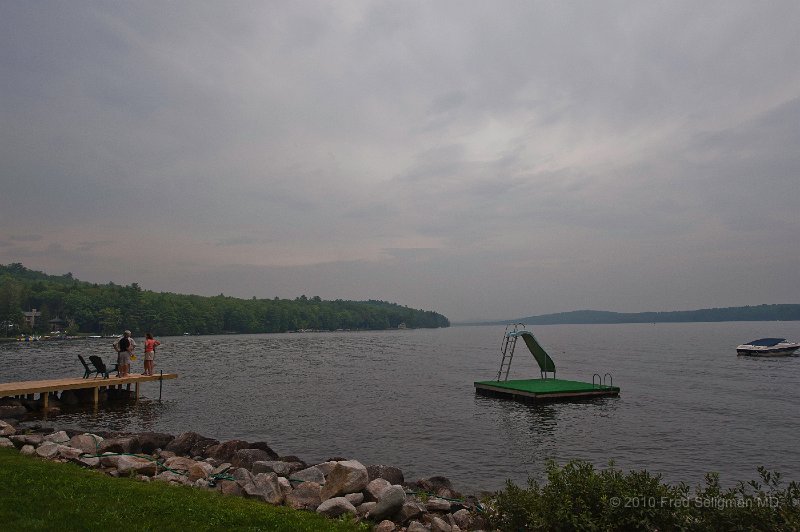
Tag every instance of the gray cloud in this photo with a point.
(485, 160)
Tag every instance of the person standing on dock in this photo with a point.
(149, 353)
(124, 347)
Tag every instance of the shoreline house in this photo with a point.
(30, 317)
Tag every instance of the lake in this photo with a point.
(688, 404)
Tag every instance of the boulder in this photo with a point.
(265, 486)
(5, 442)
(346, 477)
(229, 487)
(87, 461)
(416, 526)
(410, 509)
(183, 443)
(7, 429)
(179, 463)
(27, 450)
(306, 496)
(247, 457)
(88, 443)
(200, 447)
(390, 503)
(47, 450)
(286, 486)
(375, 488)
(266, 448)
(70, 453)
(463, 519)
(225, 451)
(439, 486)
(355, 498)
(437, 505)
(310, 474)
(150, 441)
(363, 509)
(199, 470)
(57, 437)
(282, 469)
(220, 469)
(169, 476)
(26, 439)
(110, 460)
(121, 444)
(127, 465)
(335, 507)
(390, 473)
(439, 525)
(384, 526)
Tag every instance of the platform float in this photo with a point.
(545, 388)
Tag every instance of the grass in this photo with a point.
(41, 495)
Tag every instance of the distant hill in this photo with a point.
(748, 313)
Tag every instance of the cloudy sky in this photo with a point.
(480, 159)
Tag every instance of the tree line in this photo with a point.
(109, 308)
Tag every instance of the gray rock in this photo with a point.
(305, 496)
(282, 469)
(27, 450)
(310, 474)
(224, 451)
(182, 444)
(416, 526)
(5, 442)
(355, 498)
(440, 525)
(336, 506)
(47, 450)
(88, 443)
(411, 509)
(229, 487)
(127, 465)
(242, 476)
(57, 437)
(26, 439)
(169, 476)
(391, 502)
(265, 486)
(122, 444)
(463, 518)
(110, 460)
(6, 429)
(220, 469)
(375, 488)
(346, 477)
(384, 526)
(247, 457)
(438, 505)
(70, 453)
(199, 470)
(87, 461)
(365, 508)
(439, 486)
(390, 473)
(150, 441)
(266, 448)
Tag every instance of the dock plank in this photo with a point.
(8, 389)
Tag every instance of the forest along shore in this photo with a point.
(338, 486)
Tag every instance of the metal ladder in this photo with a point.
(507, 348)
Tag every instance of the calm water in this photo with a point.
(688, 405)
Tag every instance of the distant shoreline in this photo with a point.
(779, 312)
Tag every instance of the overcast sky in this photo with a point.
(480, 159)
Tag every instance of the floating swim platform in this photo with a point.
(534, 390)
(545, 388)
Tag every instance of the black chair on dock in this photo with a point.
(100, 366)
(86, 369)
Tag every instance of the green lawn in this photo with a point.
(41, 495)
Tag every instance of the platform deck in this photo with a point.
(533, 390)
(44, 387)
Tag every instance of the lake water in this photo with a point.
(688, 404)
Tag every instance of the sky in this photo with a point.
(486, 160)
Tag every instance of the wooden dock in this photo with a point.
(46, 387)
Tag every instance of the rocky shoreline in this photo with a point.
(377, 494)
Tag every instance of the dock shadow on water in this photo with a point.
(688, 404)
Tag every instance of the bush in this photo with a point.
(579, 497)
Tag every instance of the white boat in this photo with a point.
(768, 347)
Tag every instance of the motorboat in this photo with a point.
(768, 347)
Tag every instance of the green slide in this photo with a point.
(546, 363)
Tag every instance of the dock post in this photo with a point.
(136, 398)
(45, 400)
(96, 396)
(160, 384)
